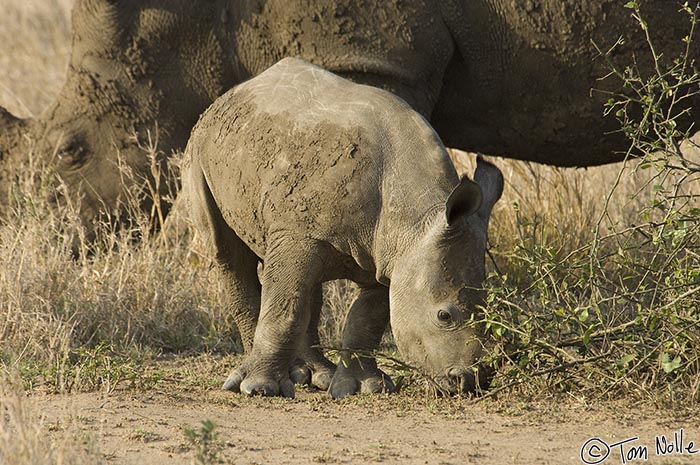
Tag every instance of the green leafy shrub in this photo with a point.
(612, 309)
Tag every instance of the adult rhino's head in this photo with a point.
(436, 290)
(140, 73)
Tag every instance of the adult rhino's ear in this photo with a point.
(490, 180)
(464, 200)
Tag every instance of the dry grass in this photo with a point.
(569, 201)
(157, 294)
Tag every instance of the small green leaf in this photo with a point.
(626, 360)
(587, 335)
(524, 360)
(669, 365)
(497, 330)
(583, 316)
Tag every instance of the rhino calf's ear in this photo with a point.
(464, 200)
(490, 180)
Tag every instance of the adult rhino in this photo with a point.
(503, 77)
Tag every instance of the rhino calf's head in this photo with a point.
(436, 288)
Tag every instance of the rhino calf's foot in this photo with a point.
(267, 386)
(312, 370)
(364, 326)
(288, 286)
(359, 374)
(253, 382)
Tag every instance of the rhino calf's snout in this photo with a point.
(466, 380)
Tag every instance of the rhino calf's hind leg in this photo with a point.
(236, 262)
(311, 367)
(364, 327)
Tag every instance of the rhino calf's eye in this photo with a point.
(444, 316)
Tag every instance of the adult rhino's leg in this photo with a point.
(236, 262)
(290, 278)
(364, 327)
(311, 367)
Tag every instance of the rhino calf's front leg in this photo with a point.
(291, 276)
(363, 331)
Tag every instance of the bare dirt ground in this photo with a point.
(129, 426)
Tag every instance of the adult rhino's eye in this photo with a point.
(444, 316)
(72, 152)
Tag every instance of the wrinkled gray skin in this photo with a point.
(503, 77)
(323, 179)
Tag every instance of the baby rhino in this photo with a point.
(319, 179)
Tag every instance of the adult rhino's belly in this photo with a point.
(270, 175)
